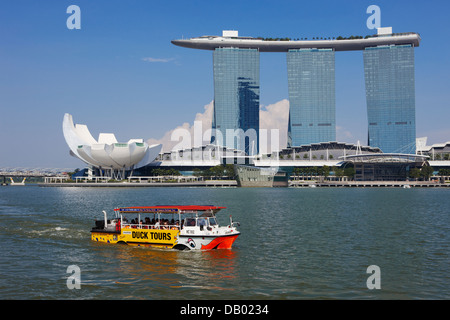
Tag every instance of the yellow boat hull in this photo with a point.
(139, 237)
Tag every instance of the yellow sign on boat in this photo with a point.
(151, 237)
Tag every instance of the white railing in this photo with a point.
(150, 226)
(156, 179)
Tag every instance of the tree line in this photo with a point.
(421, 173)
(426, 172)
(444, 172)
(220, 171)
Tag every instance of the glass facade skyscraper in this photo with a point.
(236, 99)
(389, 79)
(312, 103)
(390, 94)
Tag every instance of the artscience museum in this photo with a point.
(110, 157)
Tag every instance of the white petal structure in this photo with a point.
(107, 153)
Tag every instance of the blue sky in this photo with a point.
(100, 75)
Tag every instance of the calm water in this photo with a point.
(295, 244)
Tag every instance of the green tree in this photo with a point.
(229, 171)
(325, 171)
(173, 172)
(414, 173)
(217, 171)
(349, 172)
(315, 171)
(426, 172)
(338, 172)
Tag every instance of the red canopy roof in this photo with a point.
(168, 209)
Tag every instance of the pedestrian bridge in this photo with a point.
(18, 175)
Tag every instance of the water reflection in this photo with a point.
(164, 269)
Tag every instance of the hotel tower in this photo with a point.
(389, 78)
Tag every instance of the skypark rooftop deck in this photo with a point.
(213, 42)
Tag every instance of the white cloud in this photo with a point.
(204, 118)
(273, 116)
(342, 134)
(150, 59)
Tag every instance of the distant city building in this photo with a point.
(313, 155)
(311, 83)
(390, 94)
(316, 154)
(384, 166)
(436, 152)
(107, 154)
(235, 122)
(204, 156)
(389, 77)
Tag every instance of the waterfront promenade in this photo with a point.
(233, 183)
(369, 184)
(126, 184)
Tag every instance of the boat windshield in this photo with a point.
(200, 221)
(212, 221)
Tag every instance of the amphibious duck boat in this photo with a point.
(178, 227)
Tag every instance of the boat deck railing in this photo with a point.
(151, 226)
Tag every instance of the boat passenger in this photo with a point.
(201, 222)
(147, 223)
(176, 226)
